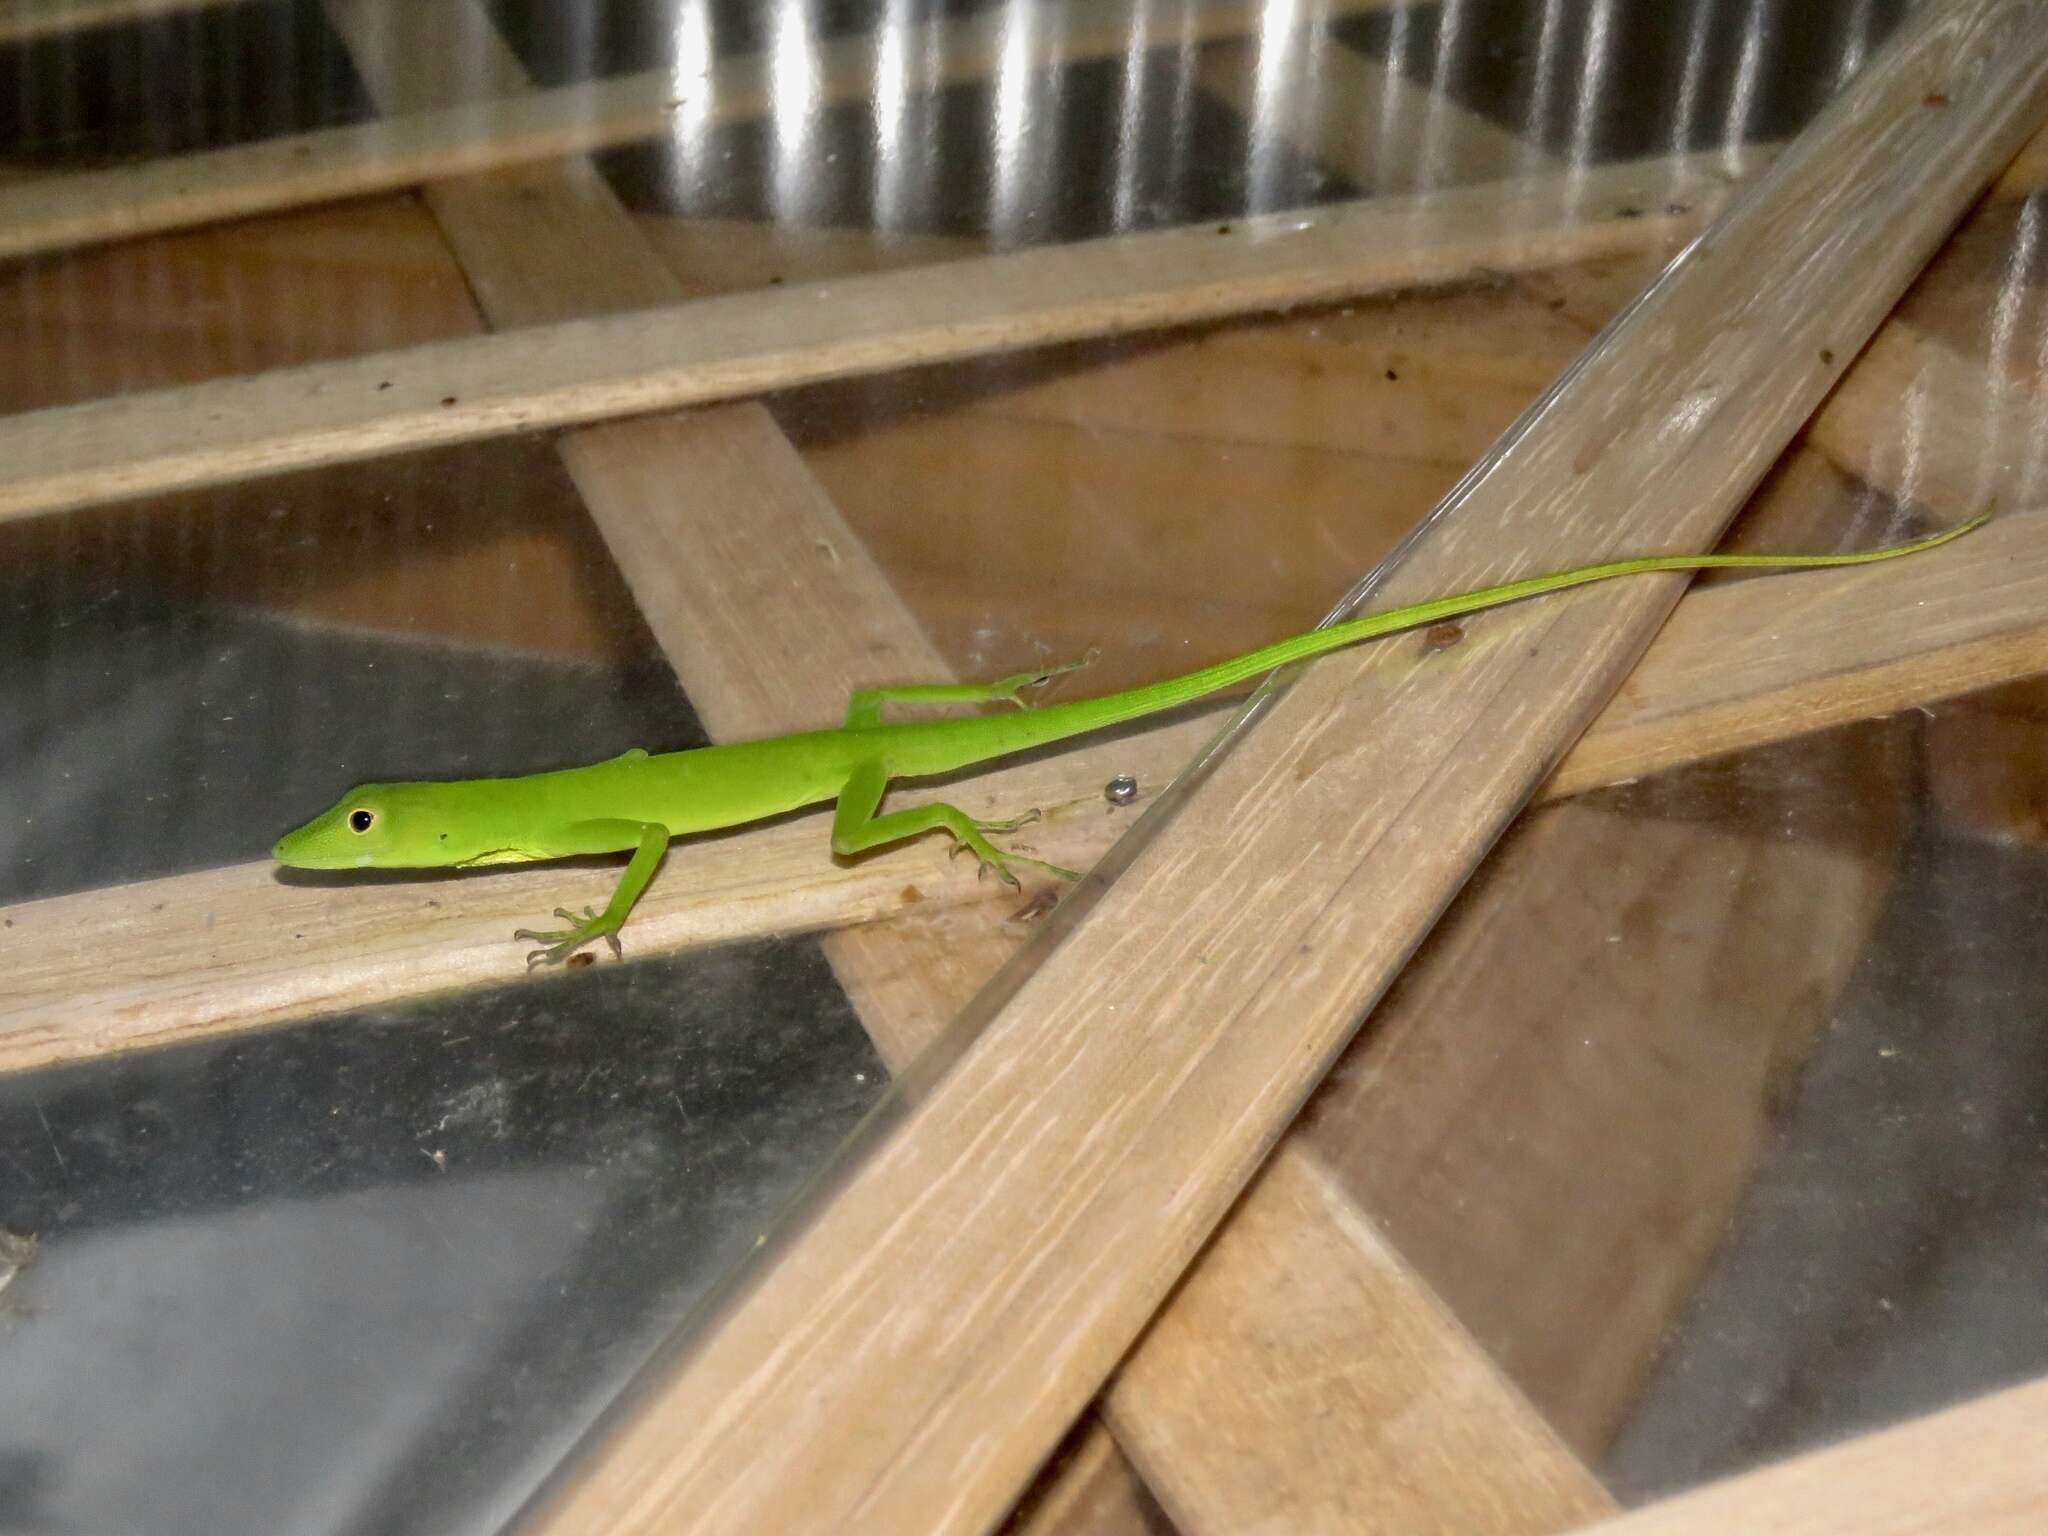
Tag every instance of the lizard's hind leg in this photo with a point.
(856, 827)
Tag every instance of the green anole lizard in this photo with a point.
(639, 802)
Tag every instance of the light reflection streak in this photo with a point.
(793, 109)
(691, 84)
(1549, 41)
(1421, 160)
(891, 114)
(2008, 403)
(1008, 124)
(1183, 73)
(1274, 67)
(1742, 96)
(1130, 122)
(1685, 114)
(1592, 82)
(1856, 47)
(1450, 37)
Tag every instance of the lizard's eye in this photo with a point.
(361, 821)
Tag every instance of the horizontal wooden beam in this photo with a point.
(180, 958)
(747, 344)
(409, 148)
(21, 20)
(1980, 1469)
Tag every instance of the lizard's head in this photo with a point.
(373, 826)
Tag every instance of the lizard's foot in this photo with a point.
(1012, 688)
(560, 943)
(1000, 860)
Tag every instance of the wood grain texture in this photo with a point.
(916, 1349)
(1916, 634)
(353, 943)
(62, 212)
(1349, 1398)
(767, 606)
(1919, 420)
(742, 255)
(1215, 1456)
(586, 370)
(1560, 1103)
(1972, 1470)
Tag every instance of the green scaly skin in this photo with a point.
(640, 802)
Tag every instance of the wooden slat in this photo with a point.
(21, 20)
(907, 1357)
(1925, 423)
(736, 255)
(1617, 1001)
(588, 370)
(120, 969)
(1973, 1470)
(1355, 1402)
(1822, 653)
(61, 212)
(764, 642)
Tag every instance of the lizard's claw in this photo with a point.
(999, 859)
(560, 943)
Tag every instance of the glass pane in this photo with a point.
(1717, 1123)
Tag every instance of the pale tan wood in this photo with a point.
(1432, 378)
(767, 606)
(738, 255)
(188, 956)
(1657, 1065)
(1627, 987)
(1917, 419)
(1378, 129)
(591, 369)
(757, 529)
(21, 20)
(61, 212)
(915, 1350)
(353, 944)
(1973, 1470)
(1916, 633)
(1379, 1414)
(284, 291)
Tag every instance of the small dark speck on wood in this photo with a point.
(577, 962)
(1934, 99)
(1441, 637)
(1041, 902)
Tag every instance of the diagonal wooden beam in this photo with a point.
(909, 1354)
(763, 642)
(1973, 1470)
